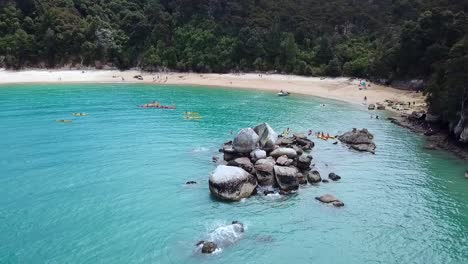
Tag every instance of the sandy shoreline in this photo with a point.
(342, 89)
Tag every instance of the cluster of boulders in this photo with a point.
(361, 140)
(257, 159)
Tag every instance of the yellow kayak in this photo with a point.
(64, 121)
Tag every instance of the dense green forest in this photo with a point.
(384, 40)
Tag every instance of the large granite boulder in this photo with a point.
(303, 162)
(291, 153)
(360, 140)
(243, 163)
(264, 170)
(245, 141)
(286, 178)
(267, 136)
(231, 183)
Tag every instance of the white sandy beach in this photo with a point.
(342, 89)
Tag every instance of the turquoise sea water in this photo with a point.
(110, 187)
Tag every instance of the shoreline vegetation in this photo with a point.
(340, 89)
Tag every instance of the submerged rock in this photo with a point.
(265, 172)
(231, 183)
(267, 136)
(291, 153)
(360, 140)
(245, 141)
(191, 182)
(328, 198)
(286, 178)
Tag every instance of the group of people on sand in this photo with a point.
(160, 79)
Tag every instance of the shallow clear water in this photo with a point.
(109, 187)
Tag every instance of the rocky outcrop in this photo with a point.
(289, 152)
(267, 136)
(286, 178)
(243, 163)
(231, 183)
(371, 107)
(245, 141)
(360, 140)
(264, 170)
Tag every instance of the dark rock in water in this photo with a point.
(215, 159)
(231, 183)
(264, 172)
(360, 140)
(291, 153)
(325, 181)
(267, 136)
(313, 177)
(371, 107)
(191, 182)
(244, 163)
(301, 179)
(284, 161)
(286, 178)
(208, 247)
(303, 162)
(380, 107)
(336, 142)
(338, 203)
(334, 177)
(199, 243)
(245, 141)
